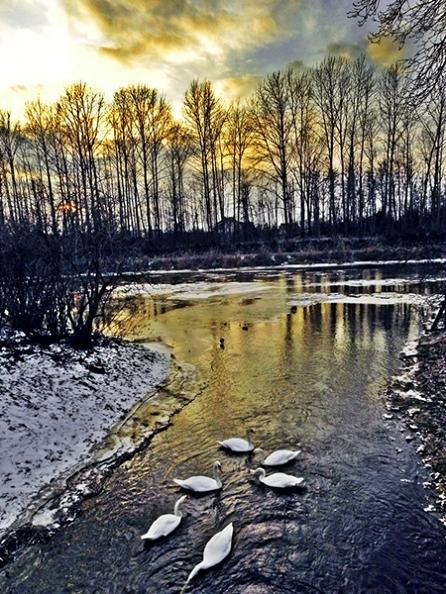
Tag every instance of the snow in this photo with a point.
(286, 265)
(387, 298)
(191, 291)
(56, 404)
(383, 282)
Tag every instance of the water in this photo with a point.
(312, 374)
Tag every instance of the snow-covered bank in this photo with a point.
(56, 404)
(288, 266)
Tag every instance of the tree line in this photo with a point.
(334, 149)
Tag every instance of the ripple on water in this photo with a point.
(315, 377)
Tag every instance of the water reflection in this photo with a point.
(311, 374)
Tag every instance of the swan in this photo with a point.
(239, 445)
(278, 458)
(202, 484)
(277, 480)
(166, 523)
(215, 551)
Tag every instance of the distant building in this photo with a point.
(230, 226)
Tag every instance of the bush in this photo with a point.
(54, 287)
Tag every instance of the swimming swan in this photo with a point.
(202, 484)
(277, 480)
(166, 523)
(215, 551)
(279, 457)
(239, 445)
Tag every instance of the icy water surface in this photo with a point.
(305, 359)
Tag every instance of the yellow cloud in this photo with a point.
(234, 87)
(385, 52)
(161, 29)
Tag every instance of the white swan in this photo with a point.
(279, 457)
(166, 523)
(239, 445)
(215, 551)
(202, 484)
(277, 480)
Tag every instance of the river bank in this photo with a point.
(294, 252)
(418, 396)
(57, 405)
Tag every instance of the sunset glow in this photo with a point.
(166, 43)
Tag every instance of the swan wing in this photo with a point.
(199, 484)
(162, 526)
(282, 480)
(280, 457)
(215, 551)
(218, 547)
(237, 444)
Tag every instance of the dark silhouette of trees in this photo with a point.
(337, 149)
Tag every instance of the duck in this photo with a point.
(239, 445)
(202, 484)
(278, 458)
(278, 480)
(215, 551)
(165, 524)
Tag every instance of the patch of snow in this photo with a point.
(191, 291)
(305, 299)
(383, 282)
(285, 265)
(56, 405)
(411, 395)
(410, 350)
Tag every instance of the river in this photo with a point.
(305, 358)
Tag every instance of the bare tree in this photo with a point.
(273, 127)
(422, 22)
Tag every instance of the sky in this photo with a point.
(48, 44)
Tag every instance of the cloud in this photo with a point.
(165, 29)
(385, 52)
(27, 89)
(24, 13)
(344, 49)
(234, 87)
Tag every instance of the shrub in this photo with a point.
(52, 286)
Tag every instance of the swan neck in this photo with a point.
(195, 570)
(217, 476)
(248, 437)
(176, 509)
(262, 454)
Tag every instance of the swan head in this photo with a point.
(258, 472)
(217, 472)
(259, 451)
(249, 432)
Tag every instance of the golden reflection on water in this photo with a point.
(193, 328)
(278, 361)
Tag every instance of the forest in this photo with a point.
(338, 149)
(341, 151)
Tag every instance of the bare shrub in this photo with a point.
(54, 287)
